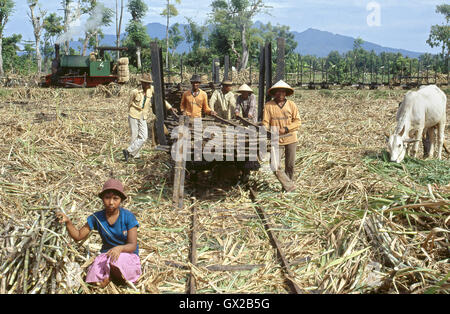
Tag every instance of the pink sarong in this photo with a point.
(129, 265)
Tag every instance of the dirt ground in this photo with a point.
(66, 143)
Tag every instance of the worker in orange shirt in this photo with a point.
(283, 114)
(195, 101)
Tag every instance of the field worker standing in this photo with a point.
(283, 114)
(119, 258)
(246, 104)
(195, 100)
(139, 114)
(223, 101)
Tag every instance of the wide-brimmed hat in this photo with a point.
(146, 79)
(245, 88)
(281, 85)
(196, 78)
(113, 185)
(227, 82)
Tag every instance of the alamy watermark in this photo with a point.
(235, 144)
(374, 18)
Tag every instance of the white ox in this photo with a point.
(420, 113)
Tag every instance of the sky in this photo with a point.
(402, 24)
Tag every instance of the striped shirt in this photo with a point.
(247, 107)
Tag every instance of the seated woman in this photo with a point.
(119, 258)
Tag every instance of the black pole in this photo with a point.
(268, 62)
(261, 85)
(281, 64)
(161, 63)
(227, 68)
(159, 92)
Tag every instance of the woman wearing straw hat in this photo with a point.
(282, 114)
(246, 104)
(223, 101)
(140, 112)
(195, 100)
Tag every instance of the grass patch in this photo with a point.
(326, 93)
(422, 172)
(4, 93)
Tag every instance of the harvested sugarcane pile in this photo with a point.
(37, 258)
(244, 77)
(11, 80)
(410, 238)
(442, 79)
(216, 133)
(108, 91)
(24, 93)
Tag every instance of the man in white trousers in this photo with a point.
(140, 113)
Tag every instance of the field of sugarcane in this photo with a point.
(356, 224)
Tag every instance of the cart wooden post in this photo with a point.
(216, 71)
(158, 83)
(226, 74)
(281, 64)
(180, 165)
(261, 85)
(268, 68)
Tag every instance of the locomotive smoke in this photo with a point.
(76, 28)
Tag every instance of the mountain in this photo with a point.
(321, 43)
(310, 42)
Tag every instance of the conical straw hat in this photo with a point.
(245, 88)
(281, 85)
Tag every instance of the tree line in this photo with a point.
(229, 30)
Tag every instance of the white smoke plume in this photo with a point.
(96, 18)
(77, 28)
(74, 24)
